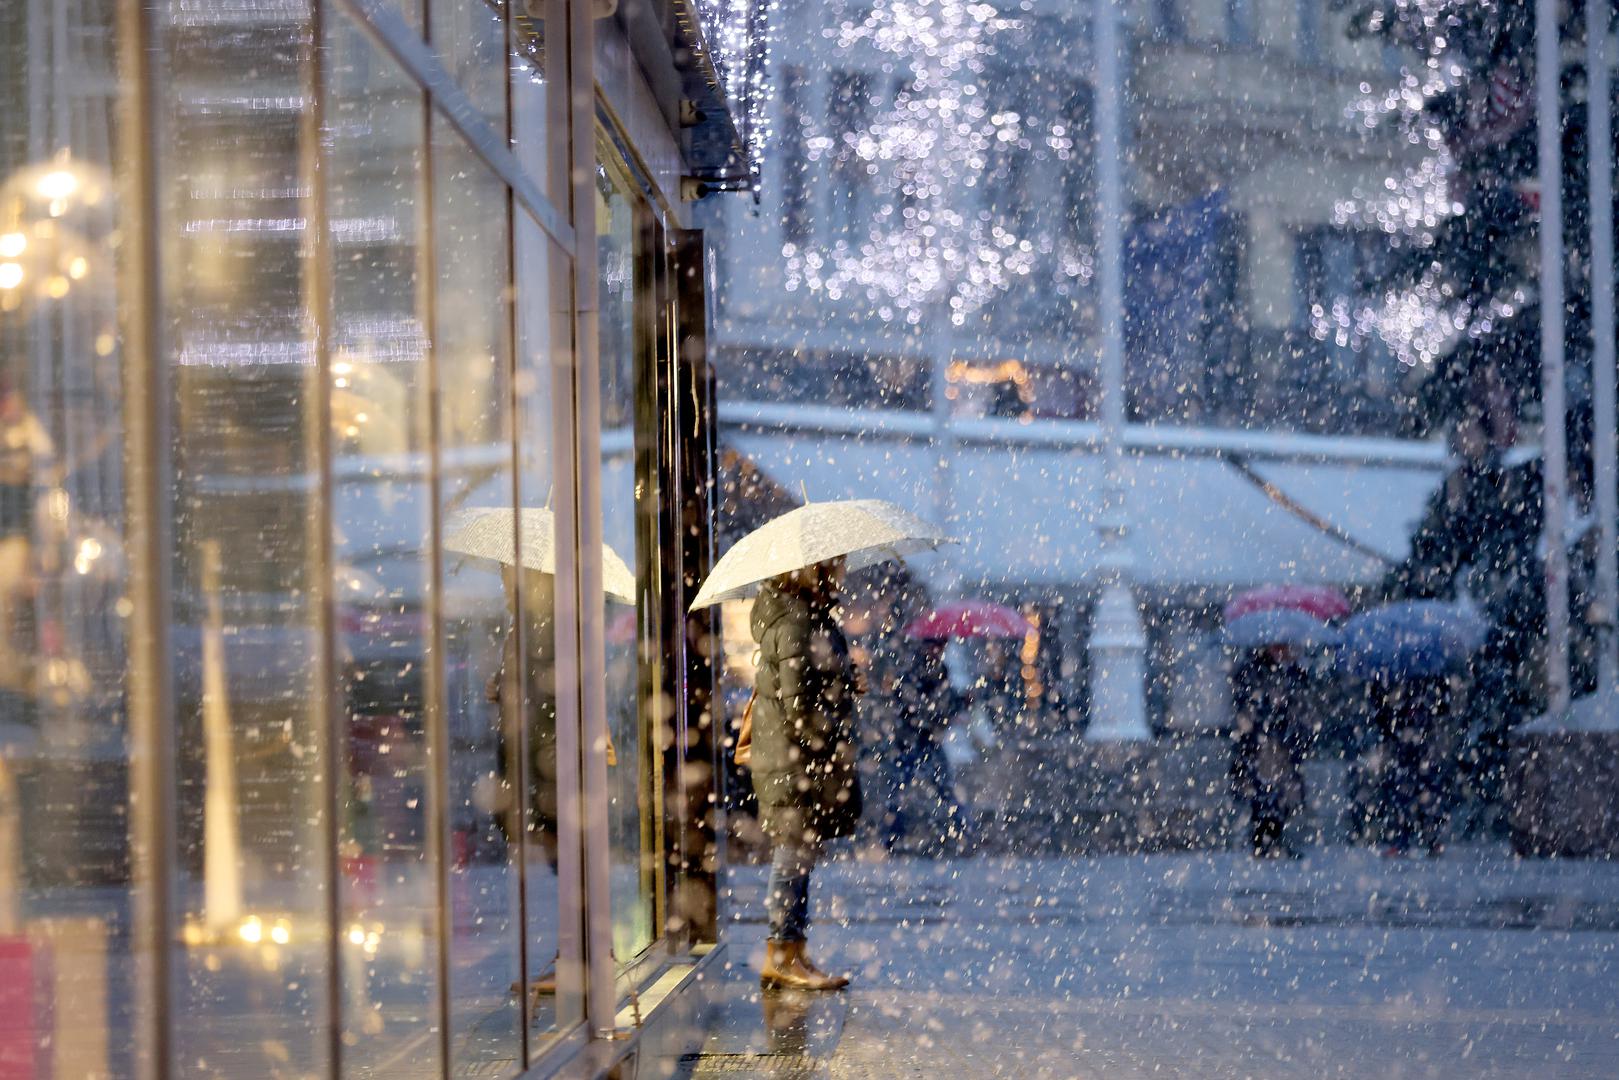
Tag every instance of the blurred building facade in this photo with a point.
(1242, 145)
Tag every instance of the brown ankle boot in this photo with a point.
(833, 982)
(786, 969)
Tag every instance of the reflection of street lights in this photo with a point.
(52, 217)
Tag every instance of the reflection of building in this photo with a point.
(290, 780)
(1239, 147)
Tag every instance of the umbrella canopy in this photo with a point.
(486, 532)
(1325, 603)
(866, 531)
(969, 619)
(1278, 626)
(1416, 638)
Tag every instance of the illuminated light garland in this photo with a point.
(737, 34)
(1421, 323)
(929, 242)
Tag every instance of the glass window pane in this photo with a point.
(469, 37)
(66, 895)
(381, 516)
(480, 598)
(544, 333)
(251, 863)
(633, 822)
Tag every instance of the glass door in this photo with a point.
(627, 243)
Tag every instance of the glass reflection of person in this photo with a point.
(539, 699)
(536, 710)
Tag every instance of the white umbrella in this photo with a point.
(866, 531)
(486, 532)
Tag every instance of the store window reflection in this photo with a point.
(473, 332)
(66, 898)
(382, 576)
(632, 822)
(251, 860)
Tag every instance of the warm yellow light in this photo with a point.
(57, 287)
(10, 275)
(357, 935)
(78, 267)
(342, 367)
(105, 344)
(57, 184)
(252, 931)
(280, 933)
(12, 244)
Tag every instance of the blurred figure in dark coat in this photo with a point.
(1266, 685)
(924, 704)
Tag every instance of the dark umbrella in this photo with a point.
(1411, 639)
(1278, 626)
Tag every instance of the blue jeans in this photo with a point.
(787, 898)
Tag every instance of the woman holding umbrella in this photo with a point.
(804, 759)
(800, 729)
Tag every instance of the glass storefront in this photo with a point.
(293, 662)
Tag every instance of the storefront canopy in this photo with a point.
(1029, 514)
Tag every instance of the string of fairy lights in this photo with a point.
(934, 237)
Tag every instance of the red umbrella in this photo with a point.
(969, 619)
(1321, 601)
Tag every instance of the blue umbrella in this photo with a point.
(1411, 639)
(1278, 626)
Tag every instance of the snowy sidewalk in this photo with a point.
(1196, 966)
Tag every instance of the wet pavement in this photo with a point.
(1341, 964)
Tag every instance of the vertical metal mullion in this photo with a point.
(586, 509)
(561, 327)
(1605, 452)
(319, 301)
(516, 682)
(1553, 385)
(154, 846)
(437, 718)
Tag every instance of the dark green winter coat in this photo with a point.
(804, 761)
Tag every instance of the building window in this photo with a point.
(850, 110)
(1309, 31)
(1171, 21)
(1239, 22)
(795, 186)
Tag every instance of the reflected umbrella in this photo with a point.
(486, 532)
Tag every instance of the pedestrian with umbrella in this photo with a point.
(926, 704)
(1271, 631)
(1410, 657)
(798, 735)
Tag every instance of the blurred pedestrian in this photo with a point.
(1418, 760)
(803, 756)
(1266, 686)
(925, 703)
